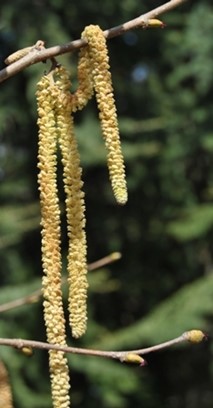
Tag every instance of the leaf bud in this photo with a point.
(195, 336)
(28, 351)
(155, 23)
(132, 358)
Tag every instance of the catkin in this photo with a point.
(84, 91)
(56, 106)
(6, 400)
(51, 251)
(17, 55)
(105, 99)
(75, 208)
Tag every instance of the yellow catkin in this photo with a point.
(85, 81)
(51, 258)
(105, 99)
(75, 208)
(24, 51)
(6, 400)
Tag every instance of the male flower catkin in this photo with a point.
(75, 207)
(6, 399)
(104, 94)
(51, 258)
(84, 91)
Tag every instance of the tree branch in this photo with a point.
(193, 336)
(35, 295)
(36, 56)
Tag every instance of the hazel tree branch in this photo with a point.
(192, 336)
(36, 55)
(35, 295)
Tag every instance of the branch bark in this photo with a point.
(116, 355)
(36, 56)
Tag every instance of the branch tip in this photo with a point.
(195, 336)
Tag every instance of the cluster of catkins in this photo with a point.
(56, 106)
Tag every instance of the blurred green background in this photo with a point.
(163, 285)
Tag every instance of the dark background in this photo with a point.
(163, 285)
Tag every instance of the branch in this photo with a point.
(192, 336)
(36, 56)
(34, 296)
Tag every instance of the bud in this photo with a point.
(155, 23)
(28, 351)
(115, 256)
(132, 358)
(195, 336)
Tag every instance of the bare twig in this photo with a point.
(25, 300)
(34, 296)
(114, 256)
(116, 355)
(36, 56)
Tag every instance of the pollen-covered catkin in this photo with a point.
(75, 208)
(84, 91)
(105, 99)
(51, 257)
(6, 400)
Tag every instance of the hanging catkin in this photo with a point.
(51, 251)
(56, 106)
(99, 61)
(75, 207)
(84, 91)
(6, 400)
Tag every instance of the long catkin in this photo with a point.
(75, 208)
(51, 251)
(99, 60)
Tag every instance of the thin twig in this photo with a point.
(25, 300)
(114, 256)
(36, 56)
(34, 296)
(116, 355)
